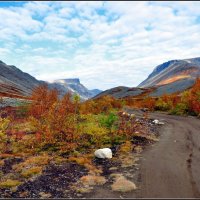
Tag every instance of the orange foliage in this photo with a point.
(54, 117)
(102, 104)
(194, 98)
(187, 102)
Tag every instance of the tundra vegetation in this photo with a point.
(184, 103)
(53, 130)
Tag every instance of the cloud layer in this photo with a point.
(105, 44)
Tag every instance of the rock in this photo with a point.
(156, 121)
(132, 115)
(113, 168)
(45, 195)
(103, 153)
(121, 184)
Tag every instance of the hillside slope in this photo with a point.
(172, 71)
(17, 84)
(14, 82)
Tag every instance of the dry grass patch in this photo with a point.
(128, 160)
(93, 180)
(86, 161)
(127, 147)
(32, 162)
(24, 127)
(10, 183)
(1, 162)
(31, 172)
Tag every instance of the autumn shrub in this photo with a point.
(5, 140)
(22, 110)
(92, 134)
(42, 99)
(54, 118)
(163, 105)
(194, 98)
(102, 104)
(179, 109)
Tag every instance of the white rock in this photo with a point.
(155, 121)
(103, 153)
(132, 115)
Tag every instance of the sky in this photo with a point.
(105, 44)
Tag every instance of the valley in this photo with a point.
(50, 131)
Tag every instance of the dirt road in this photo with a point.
(171, 168)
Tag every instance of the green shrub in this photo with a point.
(108, 121)
(162, 105)
(180, 109)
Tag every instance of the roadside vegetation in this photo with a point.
(52, 130)
(185, 103)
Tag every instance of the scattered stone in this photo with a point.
(93, 180)
(103, 153)
(45, 195)
(113, 168)
(156, 121)
(23, 194)
(85, 190)
(121, 184)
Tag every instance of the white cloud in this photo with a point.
(105, 44)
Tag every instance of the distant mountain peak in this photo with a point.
(69, 80)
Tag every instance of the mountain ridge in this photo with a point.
(16, 83)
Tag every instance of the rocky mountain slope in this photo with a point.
(14, 82)
(17, 84)
(172, 71)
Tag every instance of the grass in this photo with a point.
(86, 161)
(31, 172)
(32, 161)
(10, 183)
(93, 180)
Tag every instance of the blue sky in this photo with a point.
(105, 44)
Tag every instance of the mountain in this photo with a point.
(172, 71)
(170, 77)
(73, 85)
(15, 83)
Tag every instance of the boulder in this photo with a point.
(103, 153)
(156, 121)
(121, 184)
